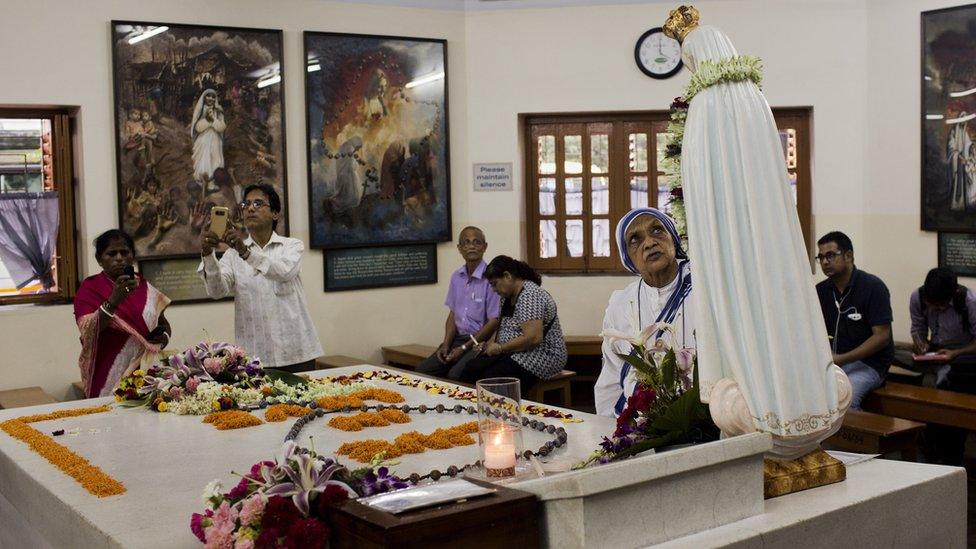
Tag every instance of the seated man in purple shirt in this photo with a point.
(944, 321)
(474, 309)
(944, 317)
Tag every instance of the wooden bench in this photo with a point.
(26, 396)
(410, 356)
(407, 357)
(591, 346)
(337, 361)
(924, 404)
(561, 382)
(870, 433)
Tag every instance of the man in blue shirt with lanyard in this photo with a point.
(857, 312)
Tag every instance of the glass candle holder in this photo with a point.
(499, 425)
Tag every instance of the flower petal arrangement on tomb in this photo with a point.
(93, 479)
(210, 377)
(436, 388)
(664, 408)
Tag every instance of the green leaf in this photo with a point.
(287, 377)
(681, 416)
(669, 368)
(637, 362)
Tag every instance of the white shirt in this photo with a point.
(622, 315)
(271, 320)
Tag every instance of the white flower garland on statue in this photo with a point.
(709, 73)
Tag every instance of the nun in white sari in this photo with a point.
(649, 246)
(207, 131)
(764, 359)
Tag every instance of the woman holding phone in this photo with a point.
(262, 270)
(120, 317)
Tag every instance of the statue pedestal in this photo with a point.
(814, 469)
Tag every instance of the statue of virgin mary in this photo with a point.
(764, 358)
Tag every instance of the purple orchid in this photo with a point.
(382, 481)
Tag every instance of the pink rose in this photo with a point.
(244, 544)
(252, 509)
(213, 366)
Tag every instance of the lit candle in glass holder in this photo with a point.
(500, 425)
(499, 455)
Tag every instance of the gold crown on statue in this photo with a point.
(680, 22)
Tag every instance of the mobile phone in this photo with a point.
(218, 220)
(129, 271)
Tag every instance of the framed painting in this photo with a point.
(377, 125)
(199, 115)
(949, 119)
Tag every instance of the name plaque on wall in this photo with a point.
(381, 266)
(957, 251)
(493, 177)
(177, 278)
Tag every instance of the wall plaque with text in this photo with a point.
(381, 266)
(957, 251)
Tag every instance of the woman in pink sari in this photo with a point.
(119, 315)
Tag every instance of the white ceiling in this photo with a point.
(484, 5)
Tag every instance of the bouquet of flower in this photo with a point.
(664, 408)
(221, 374)
(285, 502)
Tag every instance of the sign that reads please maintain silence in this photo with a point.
(493, 177)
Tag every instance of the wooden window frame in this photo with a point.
(63, 136)
(624, 122)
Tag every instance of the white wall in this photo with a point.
(59, 53)
(899, 252)
(854, 61)
(581, 59)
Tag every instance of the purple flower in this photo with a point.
(382, 481)
(239, 491)
(198, 522)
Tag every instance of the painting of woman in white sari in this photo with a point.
(207, 131)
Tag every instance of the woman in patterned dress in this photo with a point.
(529, 343)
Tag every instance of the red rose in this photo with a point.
(641, 399)
(279, 513)
(679, 103)
(332, 496)
(308, 533)
(268, 538)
